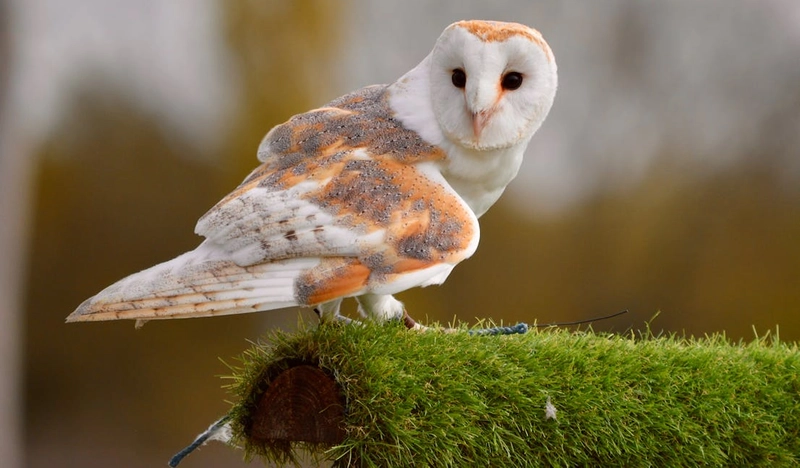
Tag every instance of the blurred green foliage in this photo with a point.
(712, 253)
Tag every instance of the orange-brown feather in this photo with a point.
(331, 279)
(489, 31)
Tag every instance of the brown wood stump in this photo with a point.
(302, 404)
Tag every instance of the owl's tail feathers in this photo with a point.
(196, 284)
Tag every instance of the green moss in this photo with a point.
(436, 399)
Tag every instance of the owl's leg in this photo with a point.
(380, 307)
(329, 311)
(383, 308)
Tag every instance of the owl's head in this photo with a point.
(492, 83)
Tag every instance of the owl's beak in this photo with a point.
(479, 121)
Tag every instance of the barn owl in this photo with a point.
(377, 192)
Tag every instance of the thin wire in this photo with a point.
(580, 322)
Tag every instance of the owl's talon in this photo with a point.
(412, 324)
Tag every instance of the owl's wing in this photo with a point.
(346, 202)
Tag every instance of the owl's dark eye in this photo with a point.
(459, 78)
(512, 81)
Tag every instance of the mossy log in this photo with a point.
(386, 396)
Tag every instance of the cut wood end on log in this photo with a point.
(303, 404)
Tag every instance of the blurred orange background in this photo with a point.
(666, 178)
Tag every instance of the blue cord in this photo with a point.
(212, 431)
(519, 328)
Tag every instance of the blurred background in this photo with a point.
(666, 178)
